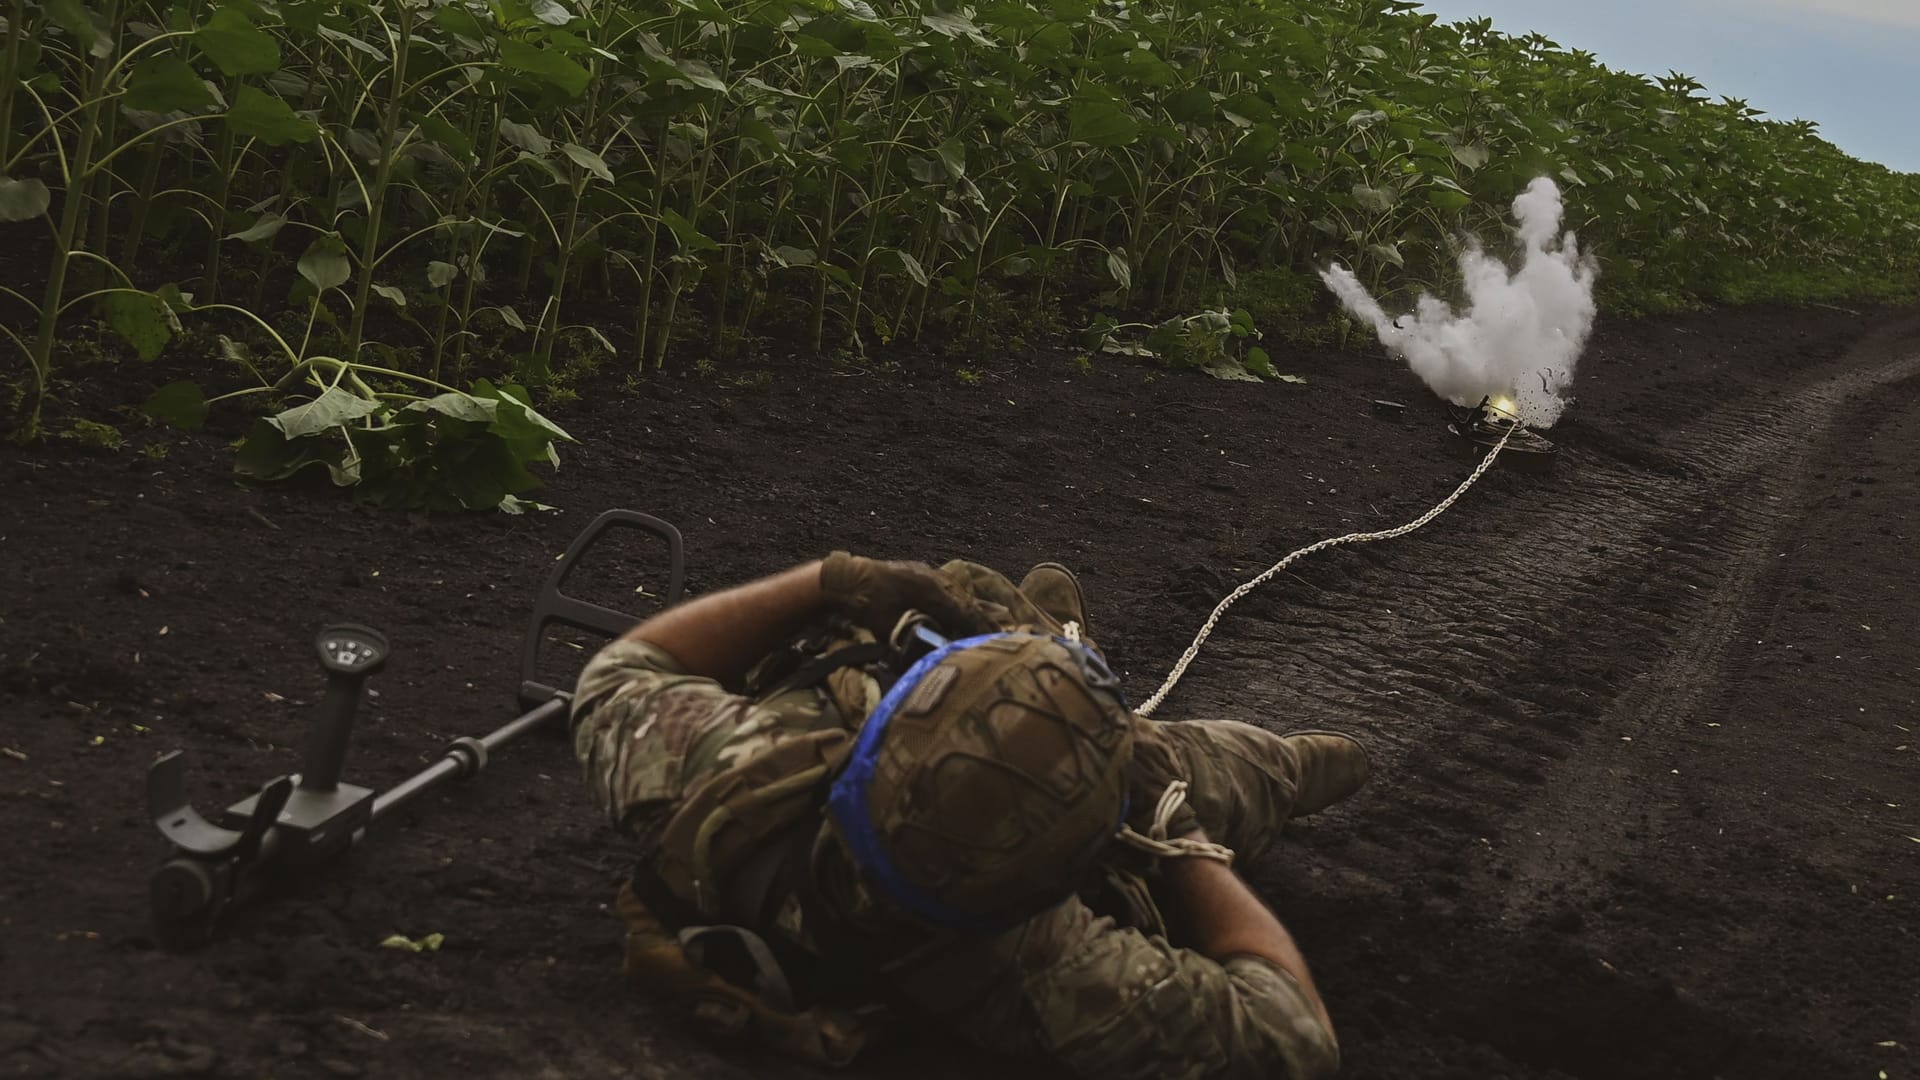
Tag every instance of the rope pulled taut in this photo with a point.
(1193, 650)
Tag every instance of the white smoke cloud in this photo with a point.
(1522, 331)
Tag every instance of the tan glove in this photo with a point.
(875, 594)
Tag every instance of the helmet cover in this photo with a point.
(987, 780)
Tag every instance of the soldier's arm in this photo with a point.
(1112, 1003)
(722, 635)
(1225, 919)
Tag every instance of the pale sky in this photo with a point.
(1852, 66)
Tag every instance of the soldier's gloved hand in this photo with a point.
(1154, 768)
(875, 593)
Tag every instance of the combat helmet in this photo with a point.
(988, 780)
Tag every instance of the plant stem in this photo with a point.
(10, 75)
(377, 198)
(73, 197)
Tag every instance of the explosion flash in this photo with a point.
(1522, 331)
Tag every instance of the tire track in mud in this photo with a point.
(1462, 631)
(1517, 743)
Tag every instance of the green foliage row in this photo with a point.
(431, 174)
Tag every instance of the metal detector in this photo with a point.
(299, 822)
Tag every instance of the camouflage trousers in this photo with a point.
(1242, 780)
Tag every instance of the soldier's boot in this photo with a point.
(1055, 590)
(1332, 766)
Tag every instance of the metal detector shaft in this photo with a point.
(465, 758)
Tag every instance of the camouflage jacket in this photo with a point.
(1100, 998)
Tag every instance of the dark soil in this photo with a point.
(1644, 726)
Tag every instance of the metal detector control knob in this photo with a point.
(349, 653)
(348, 649)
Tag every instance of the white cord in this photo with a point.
(1193, 650)
(1155, 840)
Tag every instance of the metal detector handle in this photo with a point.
(349, 653)
(553, 606)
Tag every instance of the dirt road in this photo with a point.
(1645, 725)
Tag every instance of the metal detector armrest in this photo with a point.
(554, 606)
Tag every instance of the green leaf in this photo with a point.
(72, 16)
(235, 45)
(449, 138)
(1473, 157)
(953, 154)
(515, 505)
(458, 406)
(333, 408)
(1444, 199)
(547, 64)
(515, 417)
(785, 255)
(1101, 123)
(1388, 252)
(700, 75)
(178, 403)
(1293, 379)
(441, 274)
(1378, 200)
(23, 200)
(364, 144)
(913, 268)
(268, 118)
(142, 318)
(525, 137)
(690, 238)
(165, 84)
(234, 352)
(1191, 106)
(392, 293)
(264, 229)
(951, 25)
(587, 160)
(325, 263)
(511, 317)
(175, 300)
(266, 454)
(1227, 368)
(1260, 363)
(551, 13)
(350, 41)
(1119, 269)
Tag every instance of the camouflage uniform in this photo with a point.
(1103, 998)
